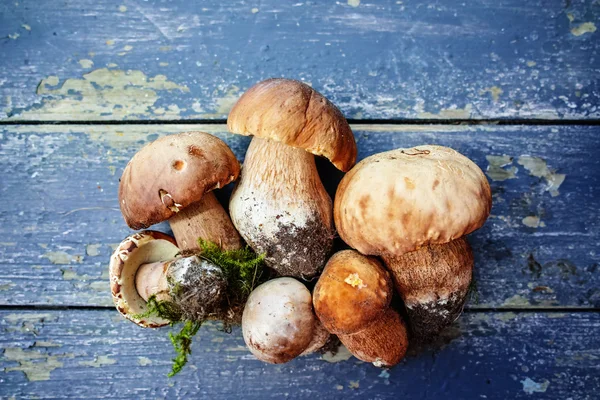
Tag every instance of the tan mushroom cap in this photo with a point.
(293, 113)
(397, 201)
(171, 173)
(352, 292)
(137, 249)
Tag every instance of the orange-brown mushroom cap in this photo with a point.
(293, 113)
(352, 292)
(171, 173)
(397, 201)
(137, 249)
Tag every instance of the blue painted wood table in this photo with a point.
(514, 85)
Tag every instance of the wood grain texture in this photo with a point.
(96, 354)
(115, 60)
(538, 249)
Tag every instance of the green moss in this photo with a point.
(182, 342)
(243, 269)
(161, 308)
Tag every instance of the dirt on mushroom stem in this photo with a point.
(281, 208)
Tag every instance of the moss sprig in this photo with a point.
(243, 270)
(161, 308)
(182, 342)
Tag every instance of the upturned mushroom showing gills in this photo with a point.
(413, 208)
(280, 206)
(146, 264)
(172, 178)
(279, 324)
(352, 300)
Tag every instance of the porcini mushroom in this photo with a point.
(146, 264)
(352, 300)
(412, 207)
(172, 178)
(280, 206)
(278, 323)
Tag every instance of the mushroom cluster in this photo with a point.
(404, 213)
(413, 208)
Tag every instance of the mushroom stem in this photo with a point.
(281, 208)
(205, 219)
(383, 343)
(151, 279)
(433, 282)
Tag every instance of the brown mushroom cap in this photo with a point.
(352, 292)
(399, 200)
(171, 173)
(140, 248)
(293, 113)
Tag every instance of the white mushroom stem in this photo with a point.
(281, 208)
(205, 219)
(151, 279)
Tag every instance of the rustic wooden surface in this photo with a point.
(410, 59)
(95, 354)
(83, 85)
(538, 249)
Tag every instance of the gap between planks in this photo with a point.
(471, 310)
(497, 122)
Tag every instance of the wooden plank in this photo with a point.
(96, 354)
(115, 60)
(58, 204)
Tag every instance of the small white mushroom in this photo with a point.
(278, 323)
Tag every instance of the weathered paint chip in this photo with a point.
(533, 221)
(496, 170)
(538, 167)
(581, 29)
(449, 113)
(104, 91)
(516, 300)
(98, 362)
(144, 361)
(86, 63)
(36, 366)
(384, 374)
(61, 257)
(494, 91)
(531, 387)
(92, 250)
